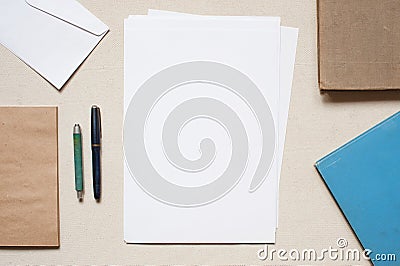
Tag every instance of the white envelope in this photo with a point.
(53, 37)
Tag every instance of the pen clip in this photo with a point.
(101, 131)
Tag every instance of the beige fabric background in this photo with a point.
(92, 233)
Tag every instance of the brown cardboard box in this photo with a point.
(359, 44)
(29, 177)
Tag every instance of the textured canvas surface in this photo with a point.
(92, 233)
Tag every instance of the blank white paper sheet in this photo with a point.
(205, 111)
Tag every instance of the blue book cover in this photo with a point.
(364, 178)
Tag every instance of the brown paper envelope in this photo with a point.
(29, 177)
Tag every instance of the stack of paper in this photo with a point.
(206, 106)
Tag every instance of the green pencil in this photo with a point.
(78, 161)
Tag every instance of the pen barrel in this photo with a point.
(78, 162)
(96, 164)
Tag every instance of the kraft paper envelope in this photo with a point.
(52, 37)
(28, 177)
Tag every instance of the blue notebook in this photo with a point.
(364, 178)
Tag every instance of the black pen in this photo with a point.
(96, 151)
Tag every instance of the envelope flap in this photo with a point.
(72, 12)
